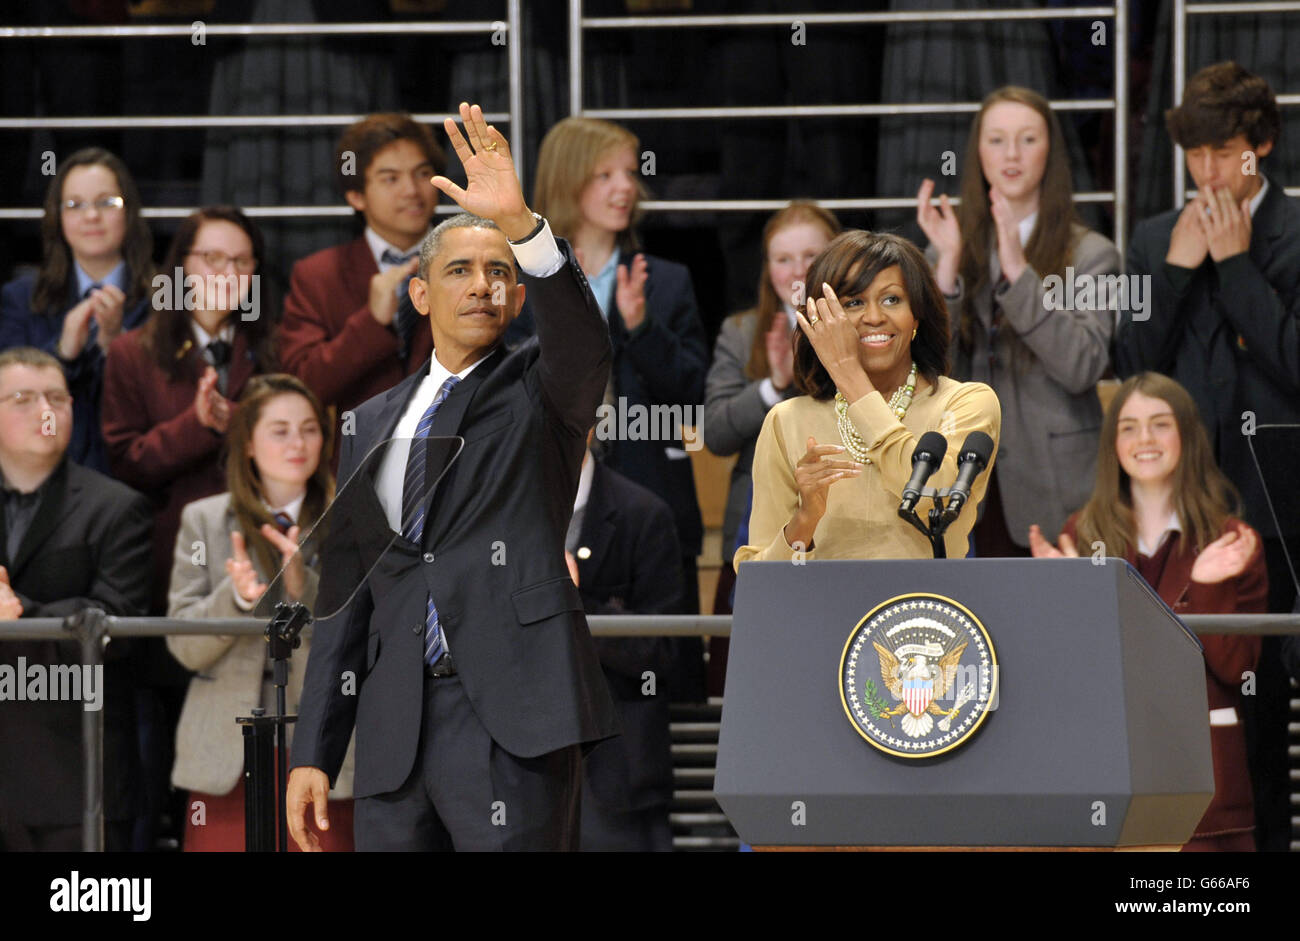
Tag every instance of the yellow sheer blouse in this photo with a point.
(861, 520)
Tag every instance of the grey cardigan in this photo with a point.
(1051, 416)
(733, 415)
(228, 670)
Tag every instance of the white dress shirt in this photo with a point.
(378, 245)
(1171, 526)
(540, 257)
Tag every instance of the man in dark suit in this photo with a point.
(349, 332)
(622, 553)
(70, 538)
(477, 680)
(1223, 318)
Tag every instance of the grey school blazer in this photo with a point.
(1051, 416)
(228, 670)
(733, 415)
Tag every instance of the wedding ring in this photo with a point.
(814, 320)
(490, 146)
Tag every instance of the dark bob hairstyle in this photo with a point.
(849, 264)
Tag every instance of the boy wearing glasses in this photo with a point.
(70, 538)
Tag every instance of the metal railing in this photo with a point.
(92, 627)
(1118, 12)
(513, 116)
(1182, 10)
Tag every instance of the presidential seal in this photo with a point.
(918, 675)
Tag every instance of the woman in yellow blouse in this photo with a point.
(871, 354)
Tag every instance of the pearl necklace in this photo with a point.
(898, 404)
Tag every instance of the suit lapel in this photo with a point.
(358, 268)
(241, 365)
(59, 500)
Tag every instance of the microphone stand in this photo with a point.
(265, 788)
(934, 532)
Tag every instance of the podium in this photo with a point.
(1096, 733)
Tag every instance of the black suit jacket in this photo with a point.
(1230, 334)
(87, 546)
(663, 362)
(632, 567)
(492, 557)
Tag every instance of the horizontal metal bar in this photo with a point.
(824, 111)
(190, 121)
(839, 19)
(697, 820)
(1277, 7)
(602, 625)
(261, 212)
(706, 842)
(772, 205)
(252, 29)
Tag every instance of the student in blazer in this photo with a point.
(621, 549)
(229, 550)
(70, 539)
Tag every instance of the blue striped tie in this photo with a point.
(414, 500)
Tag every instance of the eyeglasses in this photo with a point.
(219, 260)
(103, 204)
(26, 399)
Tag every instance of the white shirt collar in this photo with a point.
(290, 509)
(584, 482)
(203, 338)
(1171, 526)
(1258, 197)
(378, 245)
(438, 373)
(1027, 227)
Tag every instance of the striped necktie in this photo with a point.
(414, 507)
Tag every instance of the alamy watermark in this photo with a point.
(636, 422)
(181, 291)
(1115, 292)
(39, 682)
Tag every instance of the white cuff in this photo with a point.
(539, 256)
(768, 391)
(240, 603)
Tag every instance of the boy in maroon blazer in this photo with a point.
(348, 332)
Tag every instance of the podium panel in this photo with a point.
(1097, 735)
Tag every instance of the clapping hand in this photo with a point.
(1226, 557)
(780, 352)
(1226, 226)
(942, 229)
(11, 609)
(1187, 243)
(1011, 254)
(108, 305)
(291, 564)
(630, 291)
(243, 577)
(1042, 549)
(493, 190)
(212, 407)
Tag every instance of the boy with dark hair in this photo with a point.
(1224, 320)
(348, 330)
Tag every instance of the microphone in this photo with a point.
(974, 457)
(925, 461)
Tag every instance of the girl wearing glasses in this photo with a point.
(170, 387)
(1161, 503)
(93, 284)
(278, 486)
(1041, 353)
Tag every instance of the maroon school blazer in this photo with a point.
(1231, 813)
(155, 442)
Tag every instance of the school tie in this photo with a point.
(283, 521)
(414, 507)
(217, 353)
(404, 319)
